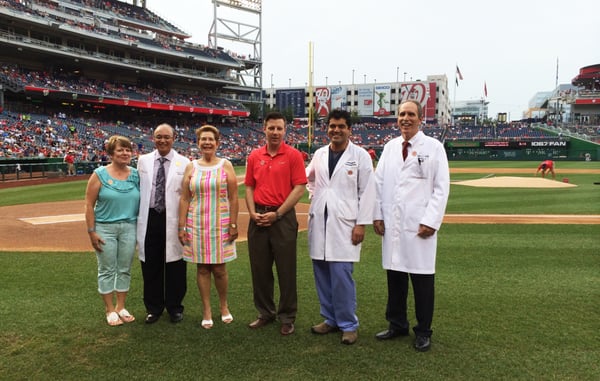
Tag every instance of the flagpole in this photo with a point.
(454, 100)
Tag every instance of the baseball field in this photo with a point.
(516, 294)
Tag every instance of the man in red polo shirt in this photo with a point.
(275, 181)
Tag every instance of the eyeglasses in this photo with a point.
(163, 137)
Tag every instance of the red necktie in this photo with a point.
(405, 145)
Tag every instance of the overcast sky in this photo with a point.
(510, 45)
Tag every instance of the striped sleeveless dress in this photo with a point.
(208, 217)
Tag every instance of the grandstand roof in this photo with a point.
(588, 77)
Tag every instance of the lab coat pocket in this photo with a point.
(346, 210)
(422, 168)
(413, 218)
(350, 174)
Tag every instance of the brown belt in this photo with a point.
(259, 208)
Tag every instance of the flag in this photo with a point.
(485, 89)
(458, 73)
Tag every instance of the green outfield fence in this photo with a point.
(569, 149)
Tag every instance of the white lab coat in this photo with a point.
(145, 168)
(409, 194)
(350, 200)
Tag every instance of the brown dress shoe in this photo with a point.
(287, 329)
(323, 328)
(260, 322)
(349, 337)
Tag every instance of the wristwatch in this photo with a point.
(278, 216)
(233, 226)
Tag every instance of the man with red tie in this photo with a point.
(412, 183)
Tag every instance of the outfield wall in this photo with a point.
(560, 149)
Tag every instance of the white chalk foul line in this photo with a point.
(44, 220)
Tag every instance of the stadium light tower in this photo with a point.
(248, 32)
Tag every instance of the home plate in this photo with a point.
(44, 220)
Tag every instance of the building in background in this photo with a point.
(471, 112)
(368, 100)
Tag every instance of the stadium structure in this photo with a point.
(114, 58)
(73, 72)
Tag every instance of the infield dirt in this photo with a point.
(64, 228)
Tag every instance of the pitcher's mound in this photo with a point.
(515, 182)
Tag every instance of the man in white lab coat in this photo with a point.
(412, 183)
(342, 203)
(160, 252)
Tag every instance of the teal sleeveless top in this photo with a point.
(118, 200)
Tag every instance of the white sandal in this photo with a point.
(227, 319)
(113, 319)
(126, 317)
(207, 324)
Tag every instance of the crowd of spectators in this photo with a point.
(514, 131)
(68, 82)
(43, 136)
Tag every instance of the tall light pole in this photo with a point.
(289, 82)
(365, 78)
(326, 78)
(352, 77)
(404, 80)
(397, 73)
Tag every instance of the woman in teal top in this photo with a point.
(111, 208)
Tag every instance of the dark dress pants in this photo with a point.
(423, 289)
(164, 282)
(268, 245)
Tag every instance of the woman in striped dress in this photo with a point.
(208, 211)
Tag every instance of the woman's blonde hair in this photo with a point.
(115, 141)
(208, 128)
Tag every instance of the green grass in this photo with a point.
(513, 302)
(74, 190)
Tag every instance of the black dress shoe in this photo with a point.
(176, 317)
(422, 343)
(391, 333)
(152, 318)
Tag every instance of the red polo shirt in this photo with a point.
(273, 177)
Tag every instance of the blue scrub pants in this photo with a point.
(337, 293)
